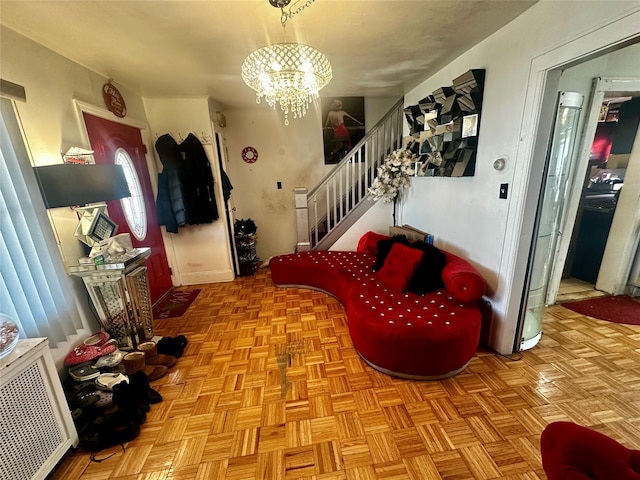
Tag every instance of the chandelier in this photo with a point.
(290, 74)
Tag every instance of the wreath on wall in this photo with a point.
(249, 154)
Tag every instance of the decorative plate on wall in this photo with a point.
(249, 154)
(113, 100)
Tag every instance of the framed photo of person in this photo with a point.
(343, 126)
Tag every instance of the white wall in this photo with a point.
(377, 219)
(465, 214)
(197, 253)
(290, 154)
(621, 63)
(375, 108)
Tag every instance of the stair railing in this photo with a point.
(324, 209)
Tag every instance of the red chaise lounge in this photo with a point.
(428, 336)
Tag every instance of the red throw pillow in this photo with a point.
(384, 247)
(398, 267)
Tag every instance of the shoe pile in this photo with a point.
(108, 390)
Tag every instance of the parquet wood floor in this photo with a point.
(575, 289)
(271, 388)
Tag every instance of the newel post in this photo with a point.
(302, 220)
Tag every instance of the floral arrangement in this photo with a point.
(393, 175)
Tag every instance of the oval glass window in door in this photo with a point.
(133, 206)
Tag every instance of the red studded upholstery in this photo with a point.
(403, 334)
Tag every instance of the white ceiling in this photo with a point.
(179, 48)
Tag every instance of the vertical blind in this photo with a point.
(34, 288)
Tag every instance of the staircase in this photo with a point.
(325, 213)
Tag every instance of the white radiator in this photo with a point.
(36, 428)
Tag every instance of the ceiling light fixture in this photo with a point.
(290, 74)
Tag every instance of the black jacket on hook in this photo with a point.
(170, 204)
(198, 188)
(186, 194)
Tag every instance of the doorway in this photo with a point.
(624, 220)
(115, 142)
(228, 205)
(601, 233)
(608, 163)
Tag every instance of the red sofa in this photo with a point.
(428, 336)
(574, 452)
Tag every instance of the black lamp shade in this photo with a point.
(68, 184)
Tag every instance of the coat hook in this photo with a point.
(206, 139)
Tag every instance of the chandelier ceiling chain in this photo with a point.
(290, 74)
(281, 4)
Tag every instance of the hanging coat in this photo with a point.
(226, 185)
(170, 204)
(198, 187)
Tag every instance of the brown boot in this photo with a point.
(135, 361)
(152, 357)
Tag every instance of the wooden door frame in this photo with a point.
(220, 147)
(83, 107)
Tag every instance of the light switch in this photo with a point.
(504, 190)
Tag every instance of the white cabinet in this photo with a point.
(36, 428)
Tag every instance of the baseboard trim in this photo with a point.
(215, 276)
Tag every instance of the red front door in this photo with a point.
(111, 140)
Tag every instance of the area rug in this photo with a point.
(175, 304)
(618, 309)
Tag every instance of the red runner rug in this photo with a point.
(174, 304)
(618, 309)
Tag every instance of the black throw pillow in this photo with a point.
(427, 276)
(384, 247)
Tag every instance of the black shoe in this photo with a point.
(83, 400)
(74, 387)
(124, 398)
(142, 392)
(112, 433)
(181, 341)
(172, 346)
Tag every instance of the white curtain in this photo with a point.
(35, 290)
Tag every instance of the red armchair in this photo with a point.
(574, 452)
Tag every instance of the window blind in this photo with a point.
(35, 290)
